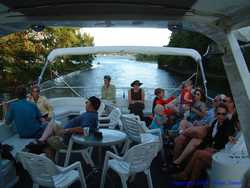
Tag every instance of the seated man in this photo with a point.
(216, 139)
(42, 103)
(87, 119)
(25, 116)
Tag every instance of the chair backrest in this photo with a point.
(132, 128)
(40, 168)
(115, 115)
(140, 156)
(101, 109)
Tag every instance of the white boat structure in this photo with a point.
(223, 21)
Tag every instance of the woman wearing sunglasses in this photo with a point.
(197, 110)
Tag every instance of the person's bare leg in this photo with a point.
(184, 124)
(180, 142)
(192, 145)
(47, 132)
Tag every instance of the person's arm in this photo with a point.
(75, 122)
(170, 99)
(201, 112)
(129, 97)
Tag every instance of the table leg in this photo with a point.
(66, 162)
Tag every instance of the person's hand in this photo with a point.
(231, 140)
(43, 120)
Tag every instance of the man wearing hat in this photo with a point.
(136, 99)
(108, 90)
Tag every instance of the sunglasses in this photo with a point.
(223, 114)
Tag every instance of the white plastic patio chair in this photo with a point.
(101, 109)
(113, 120)
(134, 128)
(137, 159)
(45, 173)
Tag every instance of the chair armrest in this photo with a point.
(103, 125)
(75, 165)
(154, 131)
(112, 155)
(103, 119)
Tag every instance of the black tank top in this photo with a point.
(136, 95)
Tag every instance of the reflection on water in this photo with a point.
(123, 71)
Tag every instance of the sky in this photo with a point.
(129, 36)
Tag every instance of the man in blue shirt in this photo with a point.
(89, 118)
(25, 116)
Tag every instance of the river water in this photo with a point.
(123, 70)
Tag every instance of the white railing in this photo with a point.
(121, 92)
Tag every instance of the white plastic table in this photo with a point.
(110, 137)
(228, 169)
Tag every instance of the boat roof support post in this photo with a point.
(40, 78)
(203, 77)
(239, 80)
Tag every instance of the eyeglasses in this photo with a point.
(223, 114)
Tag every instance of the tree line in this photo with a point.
(23, 54)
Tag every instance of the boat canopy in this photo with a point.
(126, 49)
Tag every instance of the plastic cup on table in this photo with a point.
(86, 131)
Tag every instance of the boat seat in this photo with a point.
(8, 176)
(17, 143)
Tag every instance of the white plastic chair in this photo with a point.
(113, 118)
(45, 173)
(137, 159)
(101, 109)
(134, 128)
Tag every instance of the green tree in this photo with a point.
(23, 54)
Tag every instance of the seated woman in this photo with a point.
(197, 110)
(218, 135)
(42, 103)
(136, 99)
